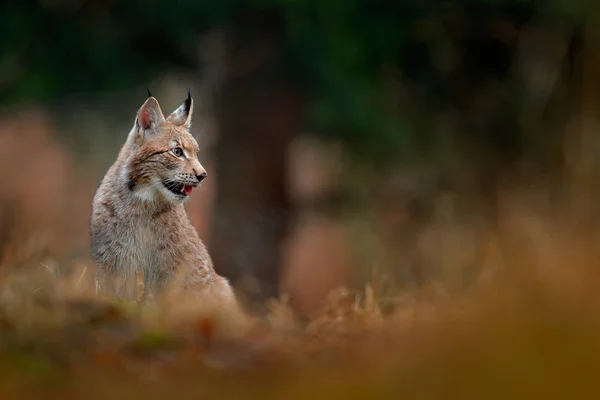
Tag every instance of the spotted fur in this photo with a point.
(138, 224)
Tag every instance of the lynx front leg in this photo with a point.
(156, 284)
(111, 284)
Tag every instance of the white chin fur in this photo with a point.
(157, 191)
(148, 193)
(170, 196)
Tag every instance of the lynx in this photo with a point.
(138, 220)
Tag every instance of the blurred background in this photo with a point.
(341, 138)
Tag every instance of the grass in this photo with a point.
(528, 328)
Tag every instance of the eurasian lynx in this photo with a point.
(138, 220)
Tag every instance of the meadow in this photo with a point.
(527, 327)
(404, 195)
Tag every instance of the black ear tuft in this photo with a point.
(188, 102)
(182, 116)
(149, 94)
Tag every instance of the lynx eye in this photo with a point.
(177, 151)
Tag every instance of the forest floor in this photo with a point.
(517, 335)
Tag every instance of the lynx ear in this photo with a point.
(183, 115)
(150, 116)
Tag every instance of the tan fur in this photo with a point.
(137, 224)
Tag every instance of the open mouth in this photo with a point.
(178, 188)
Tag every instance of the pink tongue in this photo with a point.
(187, 189)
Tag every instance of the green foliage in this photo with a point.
(152, 341)
(349, 55)
(54, 50)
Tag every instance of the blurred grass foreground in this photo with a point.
(529, 328)
(404, 195)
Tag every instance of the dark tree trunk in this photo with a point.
(258, 114)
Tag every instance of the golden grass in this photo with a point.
(530, 328)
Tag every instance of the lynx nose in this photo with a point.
(202, 176)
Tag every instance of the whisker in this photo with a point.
(171, 184)
(168, 181)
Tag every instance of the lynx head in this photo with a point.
(162, 159)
